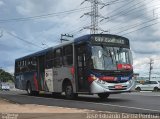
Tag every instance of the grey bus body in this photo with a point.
(78, 66)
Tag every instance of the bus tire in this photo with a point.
(36, 93)
(138, 89)
(103, 95)
(155, 89)
(69, 91)
(29, 89)
(56, 94)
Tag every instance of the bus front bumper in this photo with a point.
(105, 87)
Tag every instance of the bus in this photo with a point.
(91, 64)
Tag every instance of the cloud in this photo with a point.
(1, 3)
(123, 17)
(30, 7)
(141, 65)
(12, 48)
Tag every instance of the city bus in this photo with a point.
(91, 64)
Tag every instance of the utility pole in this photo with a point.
(65, 39)
(94, 14)
(150, 68)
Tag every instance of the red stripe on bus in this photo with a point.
(35, 81)
(107, 78)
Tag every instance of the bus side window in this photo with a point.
(17, 67)
(29, 64)
(20, 66)
(25, 66)
(82, 56)
(58, 58)
(34, 63)
(68, 55)
(49, 59)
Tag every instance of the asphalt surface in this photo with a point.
(136, 102)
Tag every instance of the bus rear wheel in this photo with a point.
(29, 89)
(69, 91)
(103, 95)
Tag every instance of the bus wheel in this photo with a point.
(69, 91)
(103, 95)
(155, 89)
(56, 94)
(138, 89)
(36, 93)
(29, 89)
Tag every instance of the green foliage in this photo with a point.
(5, 76)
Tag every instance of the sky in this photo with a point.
(24, 23)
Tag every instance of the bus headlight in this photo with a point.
(130, 81)
(100, 81)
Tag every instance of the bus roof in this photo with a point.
(76, 40)
(88, 36)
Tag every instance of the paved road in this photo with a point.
(144, 102)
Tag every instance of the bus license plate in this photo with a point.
(118, 86)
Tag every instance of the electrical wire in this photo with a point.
(19, 38)
(138, 25)
(141, 28)
(43, 16)
(126, 11)
(140, 15)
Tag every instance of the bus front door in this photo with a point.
(82, 82)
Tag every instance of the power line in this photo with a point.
(126, 11)
(123, 10)
(137, 25)
(94, 14)
(141, 28)
(140, 15)
(43, 16)
(128, 3)
(79, 29)
(120, 2)
(17, 37)
(133, 26)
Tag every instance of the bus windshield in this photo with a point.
(107, 58)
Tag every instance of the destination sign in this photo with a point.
(110, 40)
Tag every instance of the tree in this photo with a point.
(5, 76)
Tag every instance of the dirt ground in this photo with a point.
(8, 107)
(9, 110)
